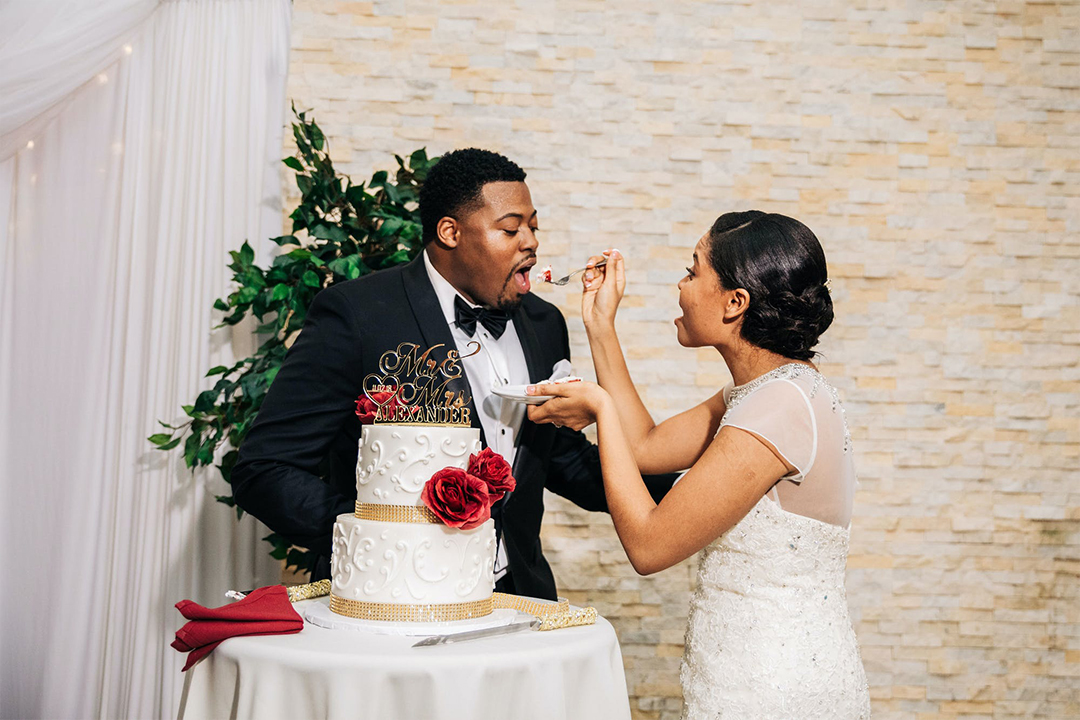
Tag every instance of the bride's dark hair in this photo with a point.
(780, 263)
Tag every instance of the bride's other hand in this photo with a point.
(574, 404)
(602, 290)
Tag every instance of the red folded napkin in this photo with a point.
(266, 611)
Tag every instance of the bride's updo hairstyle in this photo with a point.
(780, 263)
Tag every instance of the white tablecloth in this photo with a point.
(318, 673)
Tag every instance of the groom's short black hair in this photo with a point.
(454, 185)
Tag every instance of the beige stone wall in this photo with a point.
(934, 147)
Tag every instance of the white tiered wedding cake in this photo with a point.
(393, 558)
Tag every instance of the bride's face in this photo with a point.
(703, 303)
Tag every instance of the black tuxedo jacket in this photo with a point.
(307, 426)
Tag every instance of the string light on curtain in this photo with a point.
(128, 50)
(30, 145)
(102, 78)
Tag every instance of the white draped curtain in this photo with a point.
(139, 143)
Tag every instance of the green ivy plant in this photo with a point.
(340, 231)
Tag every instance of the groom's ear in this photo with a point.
(735, 304)
(447, 233)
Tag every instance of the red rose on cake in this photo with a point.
(492, 468)
(459, 499)
(367, 407)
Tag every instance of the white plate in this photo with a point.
(517, 393)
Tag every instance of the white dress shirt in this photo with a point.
(499, 362)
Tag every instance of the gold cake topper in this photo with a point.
(413, 387)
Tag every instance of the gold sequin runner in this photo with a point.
(395, 513)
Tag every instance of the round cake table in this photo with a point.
(566, 674)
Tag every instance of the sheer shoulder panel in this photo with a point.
(799, 413)
(779, 413)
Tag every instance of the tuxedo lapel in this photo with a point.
(530, 346)
(432, 323)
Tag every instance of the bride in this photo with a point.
(768, 493)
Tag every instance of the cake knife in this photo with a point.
(477, 634)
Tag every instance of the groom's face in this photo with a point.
(497, 246)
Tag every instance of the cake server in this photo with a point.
(477, 634)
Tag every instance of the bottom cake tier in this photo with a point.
(421, 572)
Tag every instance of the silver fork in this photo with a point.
(563, 280)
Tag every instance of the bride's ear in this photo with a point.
(735, 303)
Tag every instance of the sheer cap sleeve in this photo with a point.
(779, 413)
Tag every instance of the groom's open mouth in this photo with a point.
(521, 276)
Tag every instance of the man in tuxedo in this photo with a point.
(471, 283)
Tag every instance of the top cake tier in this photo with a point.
(395, 461)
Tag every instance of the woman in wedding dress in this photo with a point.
(767, 496)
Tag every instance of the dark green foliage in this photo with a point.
(340, 231)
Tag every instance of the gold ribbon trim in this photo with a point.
(391, 612)
(539, 608)
(395, 513)
(308, 590)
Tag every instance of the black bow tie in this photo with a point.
(466, 317)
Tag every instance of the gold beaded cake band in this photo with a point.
(395, 513)
(430, 612)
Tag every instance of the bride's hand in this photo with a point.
(602, 290)
(574, 404)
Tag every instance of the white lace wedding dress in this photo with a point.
(769, 635)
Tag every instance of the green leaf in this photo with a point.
(280, 292)
(418, 159)
(220, 304)
(227, 499)
(246, 295)
(317, 138)
(205, 456)
(191, 448)
(217, 370)
(205, 401)
(247, 255)
(399, 257)
(390, 226)
(304, 183)
(281, 546)
(311, 279)
(285, 240)
(171, 444)
(160, 438)
(293, 163)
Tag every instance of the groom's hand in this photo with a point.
(573, 404)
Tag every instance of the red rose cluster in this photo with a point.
(463, 498)
(366, 408)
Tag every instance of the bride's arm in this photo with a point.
(732, 475)
(677, 442)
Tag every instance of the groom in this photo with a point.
(471, 283)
